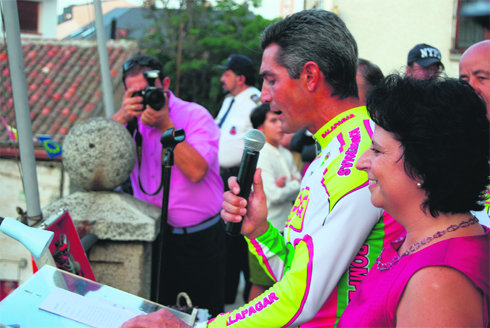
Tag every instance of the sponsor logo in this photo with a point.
(297, 214)
(251, 310)
(358, 269)
(351, 153)
(336, 125)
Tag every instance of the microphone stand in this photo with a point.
(169, 140)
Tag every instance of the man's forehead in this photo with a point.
(269, 57)
(480, 52)
(475, 64)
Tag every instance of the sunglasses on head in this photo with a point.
(141, 61)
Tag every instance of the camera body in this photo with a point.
(152, 95)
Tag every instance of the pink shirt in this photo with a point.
(189, 203)
(376, 302)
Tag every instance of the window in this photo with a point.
(468, 31)
(28, 16)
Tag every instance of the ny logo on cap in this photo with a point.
(430, 53)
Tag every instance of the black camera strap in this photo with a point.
(138, 138)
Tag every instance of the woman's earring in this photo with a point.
(419, 184)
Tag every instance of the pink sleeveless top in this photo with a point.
(376, 302)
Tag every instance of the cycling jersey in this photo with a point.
(331, 223)
(487, 202)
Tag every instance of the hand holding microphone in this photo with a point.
(254, 140)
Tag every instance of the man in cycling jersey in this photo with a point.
(333, 233)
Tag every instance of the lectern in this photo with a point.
(56, 298)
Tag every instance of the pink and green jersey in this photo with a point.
(487, 202)
(331, 239)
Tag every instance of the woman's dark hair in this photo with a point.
(442, 127)
(258, 115)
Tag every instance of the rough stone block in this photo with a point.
(98, 154)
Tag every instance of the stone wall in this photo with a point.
(126, 228)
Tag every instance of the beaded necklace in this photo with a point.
(385, 266)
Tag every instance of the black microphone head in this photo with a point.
(254, 140)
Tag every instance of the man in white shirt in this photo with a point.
(238, 79)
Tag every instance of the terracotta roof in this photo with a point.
(63, 85)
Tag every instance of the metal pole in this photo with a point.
(103, 60)
(169, 139)
(24, 129)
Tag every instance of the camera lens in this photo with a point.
(155, 98)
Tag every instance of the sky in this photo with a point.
(269, 8)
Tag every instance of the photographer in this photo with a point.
(195, 238)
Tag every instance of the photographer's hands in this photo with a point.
(187, 158)
(159, 119)
(130, 107)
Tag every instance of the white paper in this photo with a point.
(98, 313)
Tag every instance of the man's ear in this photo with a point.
(166, 83)
(311, 75)
(241, 79)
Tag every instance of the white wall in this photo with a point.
(13, 255)
(386, 30)
(48, 20)
(12, 193)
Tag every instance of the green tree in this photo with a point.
(194, 38)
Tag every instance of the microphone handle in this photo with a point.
(245, 180)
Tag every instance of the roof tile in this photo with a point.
(63, 84)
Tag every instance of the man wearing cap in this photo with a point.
(238, 80)
(424, 62)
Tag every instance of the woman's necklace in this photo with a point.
(385, 266)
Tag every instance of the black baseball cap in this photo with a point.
(240, 65)
(424, 55)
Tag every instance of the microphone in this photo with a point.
(254, 140)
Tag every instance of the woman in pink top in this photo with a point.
(428, 168)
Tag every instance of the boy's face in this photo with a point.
(272, 129)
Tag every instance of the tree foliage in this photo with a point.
(207, 35)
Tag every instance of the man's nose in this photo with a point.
(265, 95)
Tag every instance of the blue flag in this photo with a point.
(52, 148)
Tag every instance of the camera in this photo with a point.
(152, 95)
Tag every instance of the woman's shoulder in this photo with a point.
(440, 296)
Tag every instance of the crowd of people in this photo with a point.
(386, 226)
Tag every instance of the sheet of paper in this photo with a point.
(96, 313)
